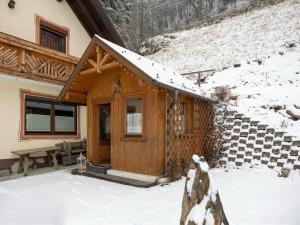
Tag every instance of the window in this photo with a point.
(134, 117)
(45, 117)
(105, 122)
(52, 36)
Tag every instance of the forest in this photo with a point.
(138, 20)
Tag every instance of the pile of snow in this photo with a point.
(267, 90)
(249, 36)
(249, 197)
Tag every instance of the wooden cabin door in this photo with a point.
(103, 133)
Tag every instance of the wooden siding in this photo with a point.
(134, 154)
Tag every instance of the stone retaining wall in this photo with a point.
(249, 141)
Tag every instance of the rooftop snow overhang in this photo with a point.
(125, 57)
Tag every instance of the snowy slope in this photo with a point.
(261, 88)
(266, 43)
(249, 36)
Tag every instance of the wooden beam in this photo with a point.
(92, 62)
(99, 57)
(105, 58)
(88, 71)
(108, 66)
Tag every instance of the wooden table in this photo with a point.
(25, 155)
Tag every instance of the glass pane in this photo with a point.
(134, 116)
(105, 122)
(37, 116)
(65, 118)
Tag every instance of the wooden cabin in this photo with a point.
(142, 116)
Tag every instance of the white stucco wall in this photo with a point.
(20, 21)
(10, 114)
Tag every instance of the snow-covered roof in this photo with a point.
(158, 73)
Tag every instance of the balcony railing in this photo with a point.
(28, 60)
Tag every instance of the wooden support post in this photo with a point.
(104, 60)
(26, 164)
(49, 159)
(54, 160)
(99, 58)
(20, 169)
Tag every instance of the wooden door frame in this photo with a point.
(96, 102)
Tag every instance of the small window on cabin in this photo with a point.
(134, 117)
(45, 117)
(53, 37)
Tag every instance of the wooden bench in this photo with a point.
(71, 151)
(25, 155)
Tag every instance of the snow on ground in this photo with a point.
(60, 198)
(250, 197)
(262, 35)
(255, 34)
(258, 196)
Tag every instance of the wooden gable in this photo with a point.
(97, 59)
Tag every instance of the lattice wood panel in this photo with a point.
(182, 145)
(9, 57)
(46, 67)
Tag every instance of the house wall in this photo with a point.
(10, 114)
(21, 21)
(140, 155)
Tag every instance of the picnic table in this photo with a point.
(25, 155)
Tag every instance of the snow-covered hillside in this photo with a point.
(264, 46)
(266, 91)
(249, 36)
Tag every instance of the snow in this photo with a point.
(266, 44)
(198, 212)
(258, 196)
(200, 160)
(249, 197)
(156, 71)
(60, 198)
(259, 87)
(189, 184)
(249, 36)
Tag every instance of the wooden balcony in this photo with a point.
(25, 59)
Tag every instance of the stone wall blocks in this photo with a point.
(262, 127)
(254, 123)
(288, 138)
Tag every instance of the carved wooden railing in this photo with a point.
(28, 60)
